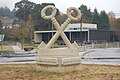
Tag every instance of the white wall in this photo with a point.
(85, 26)
(38, 38)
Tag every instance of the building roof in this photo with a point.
(76, 27)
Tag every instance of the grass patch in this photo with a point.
(31, 46)
(6, 48)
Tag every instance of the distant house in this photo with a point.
(7, 27)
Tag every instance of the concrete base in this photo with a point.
(58, 59)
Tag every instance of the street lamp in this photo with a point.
(30, 34)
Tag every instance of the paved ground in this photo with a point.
(94, 56)
(18, 58)
(103, 56)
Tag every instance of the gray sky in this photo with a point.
(62, 5)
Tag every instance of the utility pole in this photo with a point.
(81, 30)
(52, 29)
(31, 27)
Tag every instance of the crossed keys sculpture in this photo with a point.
(59, 56)
(60, 29)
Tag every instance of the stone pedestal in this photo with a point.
(58, 59)
(59, 69)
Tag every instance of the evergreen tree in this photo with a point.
(105, 24)
(96, 19)
(8, 13)
(86, 13)
(2, 11)
(23, 9)
(5, 12)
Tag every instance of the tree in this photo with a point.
(96, 19)
(5, 12)
(117, 24)
(104, 21)
(20, 32)
(86, 13)
(112, 22)
(29, 16)
(23, 9)
(8, 13)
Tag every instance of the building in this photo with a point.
(79, 33)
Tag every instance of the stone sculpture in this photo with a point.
(58, 59)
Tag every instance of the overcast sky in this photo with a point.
(62, 5)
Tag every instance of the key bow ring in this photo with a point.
(60, 29)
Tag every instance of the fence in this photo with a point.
(100, 45)
(106, 45)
